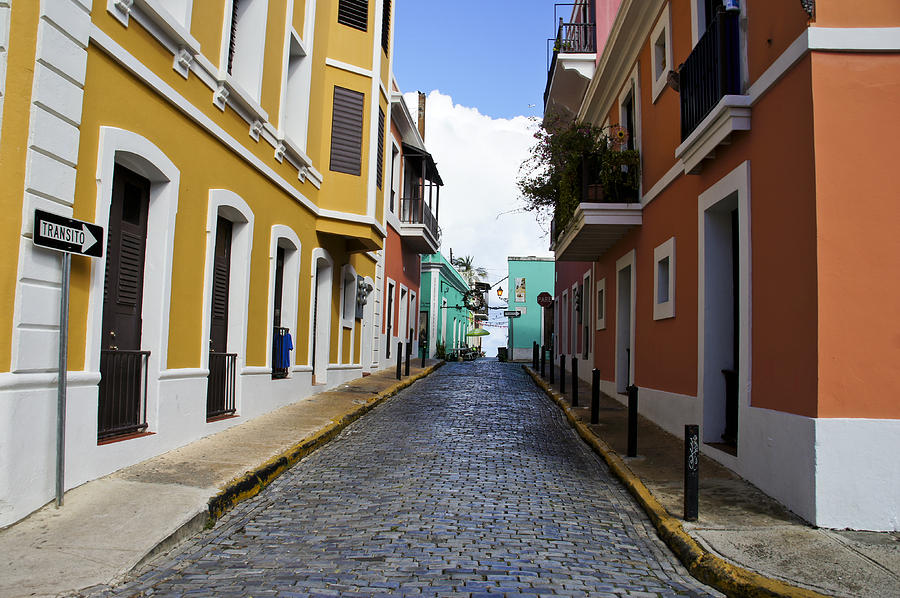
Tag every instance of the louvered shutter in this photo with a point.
(347, 131)
(354, 13)
(379, 168)
(386, 26)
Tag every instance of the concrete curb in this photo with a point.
(252, 483)
(702, 564)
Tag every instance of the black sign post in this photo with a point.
(59, 233)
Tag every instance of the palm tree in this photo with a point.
(466, 267)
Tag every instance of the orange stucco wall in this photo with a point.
(402, 266)
(858, 215)
(864, 13)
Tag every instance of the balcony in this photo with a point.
(712, 106)
(122, 408)
(600, 219)
(571, 66)
(418, 209)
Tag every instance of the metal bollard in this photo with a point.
(562, 374)
(534, 355)
(424, 351)
(691, 472)
(399, 359)
(632, 420)
(552, 369)
(595, 396)
(408, 355)
(544, 361)
(574, 381)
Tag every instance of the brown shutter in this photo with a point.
(232, 40)
(386, 27)
(379, 168)
(218, 329)
(347, 131)
(354, 13)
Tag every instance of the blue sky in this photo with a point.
(486, 54)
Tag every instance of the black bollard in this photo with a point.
(595, 396)
(574, 381)
(534, 355)
(408, 355)
(562, 374)
(399, 359)
(544, 362)
(691, 472)
(552, 368)
(424, 351)
(632, 420)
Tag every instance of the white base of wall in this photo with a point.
(28, 427)
(834, 473)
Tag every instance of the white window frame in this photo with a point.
(586, 315)
(348, 296)
(662, 30)
(286, 238)
(249, 55)
(632, 87)
(600, 287)
(296, 80)
(664, 309)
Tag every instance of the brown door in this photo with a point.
(218, 327)
(126, 244)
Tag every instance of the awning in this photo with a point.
(478, 332)
(431, 171)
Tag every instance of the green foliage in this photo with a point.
(440, 351)
(566, 158)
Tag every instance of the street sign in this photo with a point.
(67, 234)
(544, 299)
(512, 313)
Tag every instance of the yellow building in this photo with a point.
(232, 151)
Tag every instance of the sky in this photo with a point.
(482, 64)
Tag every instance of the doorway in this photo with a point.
(321, 324)
(624, 321)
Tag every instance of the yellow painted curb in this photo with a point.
(252, 483)
(702, 564)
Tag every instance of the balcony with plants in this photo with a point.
(586, 180)
(420, 201)
(572, 63)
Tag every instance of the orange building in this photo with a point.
(752, 285)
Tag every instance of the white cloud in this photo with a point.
(478, 158)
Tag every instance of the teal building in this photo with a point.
(443, 319)
(528, 277)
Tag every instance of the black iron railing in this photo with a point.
(220, 384)
(123, 393)
(414, 210)
(571, 38)
(281, 360)
(711, 71)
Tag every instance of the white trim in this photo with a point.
(375, 105)
(664, 309)
(137, 68)
(626, 261)
(599, 287)
(854, 39)
(632, 87)
(348, 273)
(737, 181)
(662, 29)
(587, 314)
(320, 313)
(350, 68)
(284, 236)
(731, 114)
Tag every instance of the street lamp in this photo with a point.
(500, 292)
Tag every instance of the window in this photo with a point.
(629, 110)
(379, 167)
(347, 131)
(348, 313)
(247, 44)
(296, 98)
(395, 177)
(661, 51)
(386, 27)
(354, 13)
(601, 304)
(664, 280)
(180, 10)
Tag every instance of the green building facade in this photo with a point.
(443, 319)
(528, 277)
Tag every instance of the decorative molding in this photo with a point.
(182, 62)
(731, 114)
(255, 130)
(350, 68)
(220, 98)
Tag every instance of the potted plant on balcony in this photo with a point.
(575, 162)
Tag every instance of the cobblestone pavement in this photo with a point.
(468, 483)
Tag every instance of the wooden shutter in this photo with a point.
(347, 131)
(386, 27)
(218, 329)
(379, 168)
(232, 40)
(354, 13)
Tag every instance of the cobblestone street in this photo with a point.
(469, 482)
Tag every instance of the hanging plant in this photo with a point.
(573, 162)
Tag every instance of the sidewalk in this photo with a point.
(744, 543)
(108, 526)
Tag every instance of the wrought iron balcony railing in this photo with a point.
(414, 210)
(711, 71)
(220, 385)
(281, 347)
(571, 38)
(123, 393)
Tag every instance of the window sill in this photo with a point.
(731, 114)
(123, 438)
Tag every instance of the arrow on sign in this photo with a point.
(89, 239)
